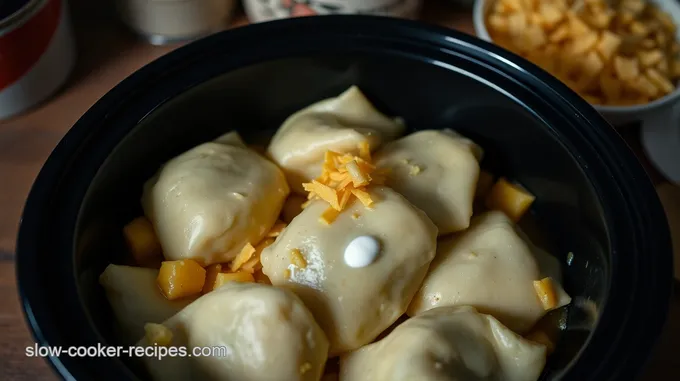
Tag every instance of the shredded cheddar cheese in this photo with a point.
(363, 196)
(365, 151)
(328, 216)
(546, 293)
(297, 259)
(286, 273)
(253, 263)
(245, 266)
(344, 177)
(239, 276)
(242, 257)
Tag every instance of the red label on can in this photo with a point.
(22, 47)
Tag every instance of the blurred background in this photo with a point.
(57, 58)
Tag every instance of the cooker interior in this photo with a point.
(256, 99)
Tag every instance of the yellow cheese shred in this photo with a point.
(297, 259)
(248, 260)
(242, 257)
(328, 216)
(546, 293)
(344, 177)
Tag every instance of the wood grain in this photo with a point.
(108, 54)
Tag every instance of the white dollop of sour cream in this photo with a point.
(362, 251)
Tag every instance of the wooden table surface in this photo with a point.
(107, 54)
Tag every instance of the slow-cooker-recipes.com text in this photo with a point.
(100, 350)
(341, 251)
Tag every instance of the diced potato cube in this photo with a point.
(560, 34)
(576, 26)
(650, 58)
(592, 65)
(603, 19)
(210, 276)
(533, 38)
(517, 22)
(536, 19)
(509, 198)
(512, 5)
(608, 45)
(550, 14)
(661, 82)
(498, 23)
(625, 17)
(645, 86)
(143, 243)
(157, 334)
(626, 69)
(582, 44)
(545, 290)
(638, 29)
(633, 6)
(500, 8)
(179, 279)
(239, 276)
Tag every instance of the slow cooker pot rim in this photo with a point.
(640, 200)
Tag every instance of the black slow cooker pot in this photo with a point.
(594, 199)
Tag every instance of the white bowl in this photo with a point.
(660, 119)
(615, 114)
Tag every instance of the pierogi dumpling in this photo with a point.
(210, 201)
(266, 333)
(338, 124)
(135, 299)
(490, 266)
(447, 344)
(354, 304)
(436, 171)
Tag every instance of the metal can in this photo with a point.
(266, 10)
(37, 52)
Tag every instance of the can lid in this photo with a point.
(10, 7)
